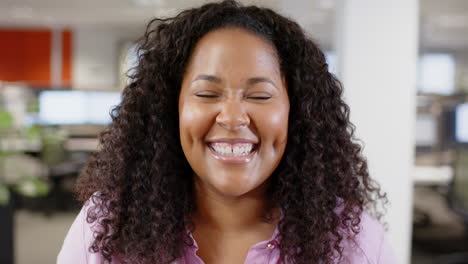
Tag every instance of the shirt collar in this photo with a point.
(274, 239)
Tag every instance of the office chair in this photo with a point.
(458, 202)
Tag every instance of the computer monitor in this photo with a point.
(461, 123)
(76, 107)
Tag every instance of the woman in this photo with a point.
(231, 145)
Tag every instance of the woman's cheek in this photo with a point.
(273, 121)
(194, 120)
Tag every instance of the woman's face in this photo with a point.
(233, 111)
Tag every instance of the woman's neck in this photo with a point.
(228, 214)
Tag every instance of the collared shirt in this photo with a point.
(263, 252)
(372, 246)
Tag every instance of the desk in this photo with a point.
(81, 144)
(70, 144)
(19, 145)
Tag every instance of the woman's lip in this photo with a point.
(231, 159)
(232, 140)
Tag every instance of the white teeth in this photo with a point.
(235, 150)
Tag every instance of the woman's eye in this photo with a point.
(263, 97)
(207, 95)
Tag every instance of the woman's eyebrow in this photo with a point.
(207, 77)
(255, 80)
(250, 81)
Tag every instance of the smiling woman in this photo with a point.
(231, 145)
(241, 104)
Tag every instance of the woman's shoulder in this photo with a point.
(371, 243)
(80, 236)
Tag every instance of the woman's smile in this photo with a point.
(233, 151)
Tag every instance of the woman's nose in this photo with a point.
(233, 116)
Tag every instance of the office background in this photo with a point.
(403, 63)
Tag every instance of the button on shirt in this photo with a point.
(372, 246)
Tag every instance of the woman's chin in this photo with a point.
(231, 191)
(234, 188)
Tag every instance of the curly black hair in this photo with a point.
(142, 184)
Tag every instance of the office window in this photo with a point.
(436, 74)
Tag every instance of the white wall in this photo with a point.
(376, 44)
(96, 56)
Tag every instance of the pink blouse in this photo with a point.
(373, 247)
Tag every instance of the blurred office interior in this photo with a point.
(63, 65)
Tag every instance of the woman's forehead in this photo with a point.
(234, 50)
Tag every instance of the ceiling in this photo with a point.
(118, 12)
(444, 24)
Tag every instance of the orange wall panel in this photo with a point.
(36, 55)
(10, 55)
(25, 55)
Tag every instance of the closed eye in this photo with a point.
(207, 95)
(259, 97)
